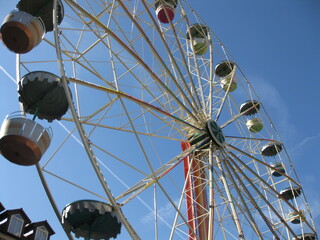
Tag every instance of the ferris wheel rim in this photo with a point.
(198, 128)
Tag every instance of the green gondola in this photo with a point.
(91, 219)
(42, 93)
(197, 34)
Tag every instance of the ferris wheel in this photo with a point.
(143, 126)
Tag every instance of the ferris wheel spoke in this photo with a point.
(252, 138)
(121, 129)
(158, 173)
(222, 209)
(224, 99)
(145, 87)
(124, 127)
(152, 170)
(101, 197)
(251, 220)
(174, 62)
(197, 75)
(67, 54)
(200, 65)
(133, 54)
(231, 203)
(158, 57)
(234, 118)
(163, 171)
(120, 160)
(268, 186)
(95, 73)
(107, 45)
(200, 88)
(133, 99)
(75, 185)
(70, 134)
(83, 137)
(211, 195)
(233, 172)
(263, 163)
(87, 64)
(276, 194)
(51, 198)
(129, 70)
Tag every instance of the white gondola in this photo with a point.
(224, 68)
(296, 217)
(305, 236)
(254, 125)
(23, 141)
(21, 31)
(280, 169)
(197, 34)
(250, 107)
(271, 149)
(290, 193)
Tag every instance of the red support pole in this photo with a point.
(188, 189)
(196, 196)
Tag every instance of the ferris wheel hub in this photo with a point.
(215, 133)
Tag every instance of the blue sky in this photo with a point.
(276, 43)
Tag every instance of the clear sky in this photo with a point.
(276, 43)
